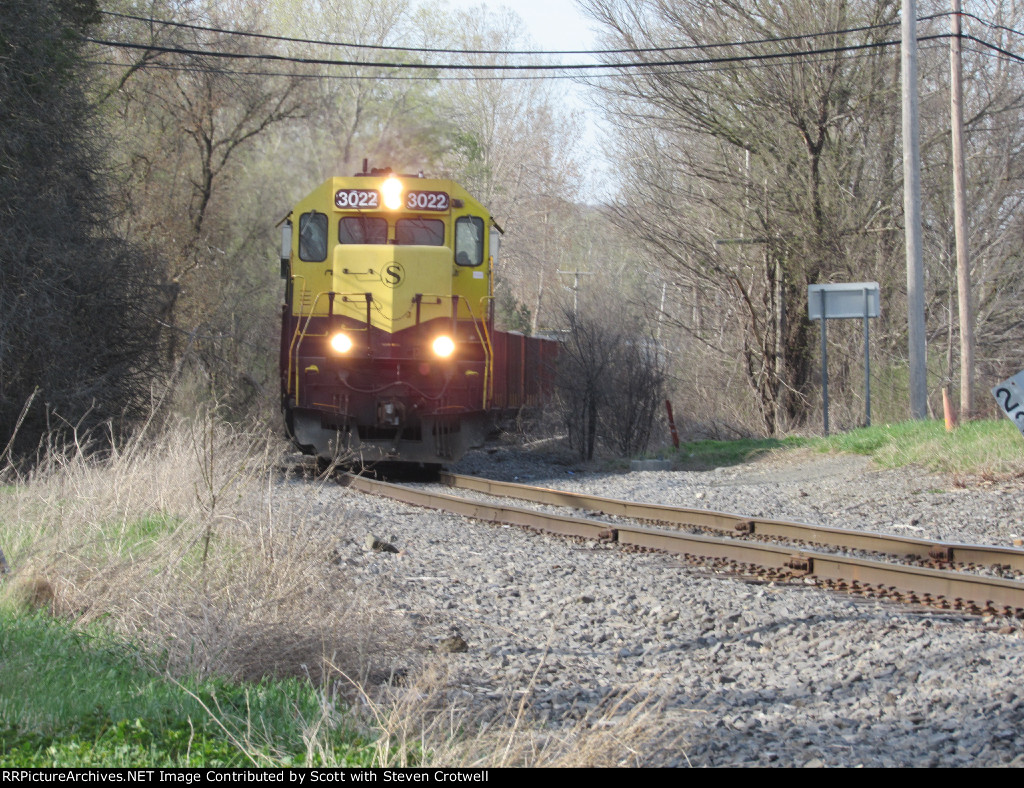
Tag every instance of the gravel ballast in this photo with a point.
(746, 673)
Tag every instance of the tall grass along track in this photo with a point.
(786, 557)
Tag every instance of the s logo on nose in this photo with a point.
(392, 274)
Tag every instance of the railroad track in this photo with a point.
(918, 571)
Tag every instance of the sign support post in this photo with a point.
(867, 361)
(839, 301)
(824, 358)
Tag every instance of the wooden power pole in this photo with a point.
(917, 350)
(963, 261)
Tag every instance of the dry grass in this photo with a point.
(182, 542)
(427, 718)
(177, 542)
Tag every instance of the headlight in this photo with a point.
(443, 346)
(391, 190)
(341, 343)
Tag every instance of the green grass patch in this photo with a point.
(991, 446)
(150, 527)
(143, 534)
(699, 455)
(976, 447)
(82, 698)
(129, 538)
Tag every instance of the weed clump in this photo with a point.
(184, 542)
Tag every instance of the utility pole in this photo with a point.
(912, 217)
(963, 260)
(575, 287)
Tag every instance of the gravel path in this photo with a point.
(747, 674)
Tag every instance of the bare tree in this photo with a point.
(750, 180)
(515, 148)
(757, 180)
(187, 123)
(611, 373)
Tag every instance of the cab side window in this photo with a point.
(313, 237)
(469, 240)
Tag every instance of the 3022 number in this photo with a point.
(426, 201)
(356, 198)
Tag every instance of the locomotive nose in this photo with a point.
(403, 285)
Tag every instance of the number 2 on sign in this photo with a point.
(1004, 398)
(1010, 399)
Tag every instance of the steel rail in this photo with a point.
(928, 584)
(893, 544)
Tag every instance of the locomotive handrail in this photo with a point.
(485, 338)
(299, 335)
(367, 297)
(295, 335)
(488, 371)
(485, 343)
(488, 377)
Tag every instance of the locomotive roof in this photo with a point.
(325, 192)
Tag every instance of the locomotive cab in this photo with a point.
(386, 342)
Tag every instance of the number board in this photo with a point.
(427, 201)
(1010, 396)
(355, 199)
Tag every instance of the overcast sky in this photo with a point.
(552, 24)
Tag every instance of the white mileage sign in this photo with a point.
(1010, 396)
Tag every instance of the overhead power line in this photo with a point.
(995, 48)
(194, 68)
(532, 70)
(197, 69)
(504, 52)
(992, 25)
(536, 67)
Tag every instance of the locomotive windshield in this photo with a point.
(422, 232)
(362, 230)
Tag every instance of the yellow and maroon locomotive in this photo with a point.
(388, 348)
